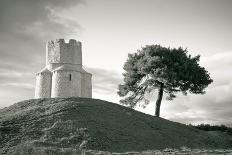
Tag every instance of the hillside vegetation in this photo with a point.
(208, 127)
(92, 124)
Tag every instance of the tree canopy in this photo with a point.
(170, 70)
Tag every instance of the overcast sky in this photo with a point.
(109, 30)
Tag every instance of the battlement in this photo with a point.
(60, 52)
(63, 75)
(61, 42)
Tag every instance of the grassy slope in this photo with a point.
(96, 124)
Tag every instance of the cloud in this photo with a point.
(25, 26)
(105, 81)
(105, 84)
(216, 105)
(213, 107)
(15, 85)
(21, 84)
(17, 15)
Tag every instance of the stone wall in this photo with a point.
(86, 85)
(66, 84)
(60, 52)
(63, 75)
(43, 84)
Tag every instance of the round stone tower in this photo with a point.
(63, 75)
(43, 84)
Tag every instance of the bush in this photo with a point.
(208, 127)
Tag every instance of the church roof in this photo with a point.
(45, 71)
(66, 68)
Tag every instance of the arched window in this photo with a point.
(70, 77)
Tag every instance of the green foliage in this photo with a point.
(154, 65)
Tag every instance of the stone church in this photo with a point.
(63, 75)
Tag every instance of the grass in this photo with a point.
(81, 123)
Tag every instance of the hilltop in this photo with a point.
(94, 124)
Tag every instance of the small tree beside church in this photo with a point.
(164, 69)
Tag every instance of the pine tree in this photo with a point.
(164, 69)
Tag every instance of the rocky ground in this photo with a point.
(181, 151)
(59, 126)
(167, 151)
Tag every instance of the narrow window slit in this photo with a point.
(70, 77)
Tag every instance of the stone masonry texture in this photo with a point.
(63, 75)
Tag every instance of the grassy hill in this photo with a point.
(83, 123)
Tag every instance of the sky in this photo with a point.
(109, 30)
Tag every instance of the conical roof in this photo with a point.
(44, 71)
(66, 68)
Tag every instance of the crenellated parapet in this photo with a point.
(60, 52)
(63, 75)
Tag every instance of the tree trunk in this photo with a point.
(159, 99)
